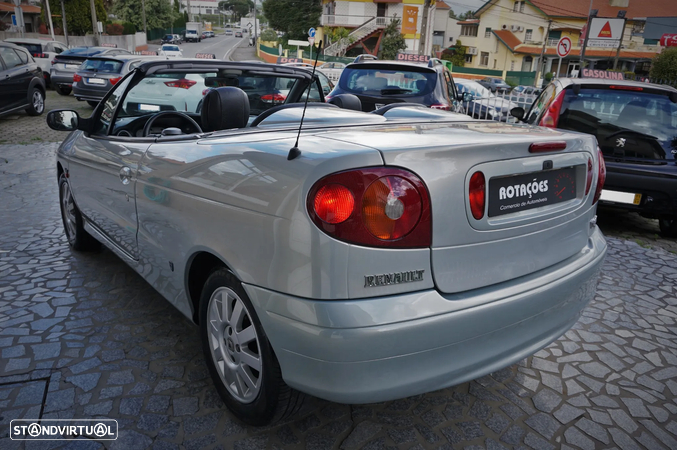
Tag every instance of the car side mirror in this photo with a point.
(63, 120)
(517, 112)
(466, 97)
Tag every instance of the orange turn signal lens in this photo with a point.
(391, 207)
(334, 203)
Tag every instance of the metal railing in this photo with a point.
(497, 106)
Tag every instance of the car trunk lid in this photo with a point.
(538, 212)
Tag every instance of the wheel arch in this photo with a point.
(198, 268)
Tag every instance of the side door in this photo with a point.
(16, 78)
(102, 174)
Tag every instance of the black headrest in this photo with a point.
(224, 108)
(347, 101)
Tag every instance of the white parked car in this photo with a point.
(42, 51)
(170, 51)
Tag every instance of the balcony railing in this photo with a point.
(343, 20)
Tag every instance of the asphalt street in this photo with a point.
(82, 335)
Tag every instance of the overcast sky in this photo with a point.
(461, 6)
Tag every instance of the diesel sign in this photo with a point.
(393, 278)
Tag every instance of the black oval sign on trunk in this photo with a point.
(532, 190)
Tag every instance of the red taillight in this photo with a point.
(182, 83)
(627, 88)
(334, 203)
(551, 116)
(441, 106)
(477, 195)
(273, 98)
(542, 147)
(378, 207)
(601, 176)
(53, 61)
(39, 55)
(588, 179)
(76, 78)
(114, 81)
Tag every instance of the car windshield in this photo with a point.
(102, 66)
(185, 91)
(643, 118)
(384, 81)
(169, 36)
(475, 89)
(170, 48)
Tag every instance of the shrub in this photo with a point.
(268, 35)
(128, 28)
(114, 29)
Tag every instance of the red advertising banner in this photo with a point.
(669, 40)
(285, 60)
(205, 56)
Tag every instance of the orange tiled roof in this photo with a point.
(441, 5)
(550, 51)
(579, 8)
(508, 38)
(469, 22)
(9, 7)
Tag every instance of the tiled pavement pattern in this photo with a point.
(82, 336)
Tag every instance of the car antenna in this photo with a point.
(294, 152)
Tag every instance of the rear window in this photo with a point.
(610, 114)
(170, 48)
(102, 66)
(383, 81)
(32, 48)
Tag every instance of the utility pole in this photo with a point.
(620, 43)
(51, 25)
(255, 34)
(541, 62)
(424, 28)
(190, 19)
(94, 27)
(591, 14)
(63, 20)
(143, 12)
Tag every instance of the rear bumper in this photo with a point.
(61, 78)
(380, 349)
(89, 94)
(658, 187)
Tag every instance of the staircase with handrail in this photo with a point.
(359, 33)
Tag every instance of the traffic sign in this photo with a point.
(311, 32)
(563, 47)
(311, 40)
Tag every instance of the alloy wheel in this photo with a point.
(38, 101)
(68, 211)
(234, 345)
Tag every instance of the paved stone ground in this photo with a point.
(82, 336)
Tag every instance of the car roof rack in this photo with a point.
(365, 57)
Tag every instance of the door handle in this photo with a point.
(125, 175)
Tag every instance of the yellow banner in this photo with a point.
(409, 20)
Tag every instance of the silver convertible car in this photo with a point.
(360, 258)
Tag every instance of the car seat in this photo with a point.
(347, 101)
(224, 108)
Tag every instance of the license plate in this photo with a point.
(517, 193)
(620, 197)
(96, 81)
(71, 66)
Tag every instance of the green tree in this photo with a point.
(293, 17)
(239, 8)
(455, 54)
(159, 13)
(268, 35)
(78, 15)
(664, 65)
(393, 40)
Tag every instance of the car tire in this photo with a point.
(668, 227)
(73, 226)
(62, 90)
(92, 103)
(251, 388)
(36, 102)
